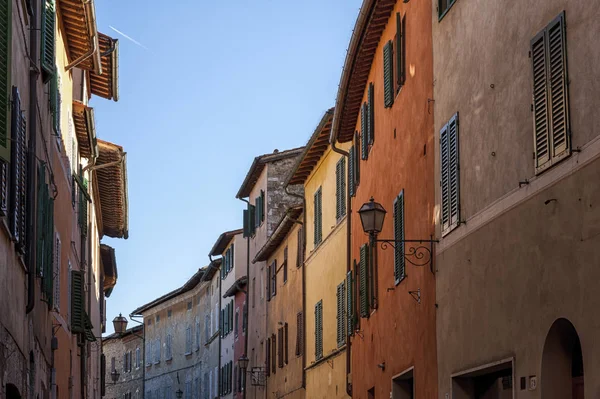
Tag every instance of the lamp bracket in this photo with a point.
(417, 252)
(416, 295)
(258, 376)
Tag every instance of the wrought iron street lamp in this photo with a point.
(114, 375)
(372, 215)
(179, 394)
(243, 363)
(120, 324)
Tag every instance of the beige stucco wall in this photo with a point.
(518, 263)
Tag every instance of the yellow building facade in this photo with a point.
(323, 172)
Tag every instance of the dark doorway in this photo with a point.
(562, 363)
(12, 392)
(492, 382)
(403, 386)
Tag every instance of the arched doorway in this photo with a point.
(562, 363)
(12, 392)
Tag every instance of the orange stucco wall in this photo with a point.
(401, 332)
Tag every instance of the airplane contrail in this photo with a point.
(129, 38)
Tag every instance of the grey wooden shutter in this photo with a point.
(48, 23)
(274, 271)
(319, 330)
(364, 137)
(3, 187)
(350, 302)
(300, 249)
(274, 354)
(280, 347)
(453, 164)
(399, 261)
(540, 101)
(388, 76)
(318, 215)
(364, 281)
(356, 162)
(371, 111)
(5, 68)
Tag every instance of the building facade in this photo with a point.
(56, 205)
(232, 248)
(263, 189)
(283, 253)
(322, 173)
(124, 374)
(516, 180)
(384, 110)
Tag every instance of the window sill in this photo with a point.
(323, 359)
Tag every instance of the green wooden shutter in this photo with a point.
(350, 302)
(371, 113)
(5, 68)
(364, 135)
(453, 163)
(388, 76)
(318, 223)
(351, 160)
(77, 301)
(364, 281)
(541, 127)
(319, 330)
(41, 209)
(340, 179)
(341, 314)
(262, 205)
(356, 162)
(231, 316)
(48, 23)
(400, 51)
(399, 261)
(17, 220)
(48, 280)
(444, 178)
(252, 220)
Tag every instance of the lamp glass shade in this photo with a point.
(179, 394)
(243, 362)
(114, 375)
(120, 324)
(372, 215)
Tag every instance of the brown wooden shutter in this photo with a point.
(286, 345)
(319, 330)
(268, 357)
(274, 354)
(280, 347)
(300, 250)
(299, 333)
(371, 110)
(557, 68)
(540, 100)
(400, 51)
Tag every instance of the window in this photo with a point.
(56, 274)
(350, 315)
(77, 301)
(341, 313)
(48, 23)
(18, 195)
(364, 134)
(157, 351)
(450, 183)
(169, 312)
(399, 262)
(207, 328)
(319, 330)
(300, 249)
(285, 343)
(260, 208)
(371, 113)
(400, 51)
(249, 221)
(318, 217)
(148, 353)
(495, 381)
(552, 141)
(363, 291)
(388, 74)
(138, 358)
(236, 322)
(189, 305)
(157, 319)
(285, 265)
(274, 354)
(188, 340)
(169, 347)
(268, 356)
(340, 188)
(112, 364)
(299, 333)
(443, 7)
(245, 318)
(274, 278)
(197, 333)
(5, 78)
(269, 282)
(280, 347)
(354, 165)
(188, 390)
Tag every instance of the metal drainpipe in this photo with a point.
(303, 198)
(247, 300)
(218, 376)
(348, 255)
(34, 72)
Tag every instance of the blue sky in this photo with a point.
(219, 83)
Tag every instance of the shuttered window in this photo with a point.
(444, 6)
(552, 141)
(341, 314)
(350, 303)
(249, 221)
(274, 278)
(18, 190)
(280, 347)
(388, 74)
(364, 281)
(319, 330)
(318, 217)
(299, 333)
(285, 265)
(77, 301)
(300, 253)
(268, 356)
(340, 188)
(449, 180)
(364, 134)
(399, 261)
(351, 181)
(48, 24)
(83, 203)
(5, 63)
(400, 51)
(4, 166)
(371, 113)
(45, 237)
(268, 283)
(286, 344)
(274, 354)
(55, 101)
(57, 272)
(188, 339)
